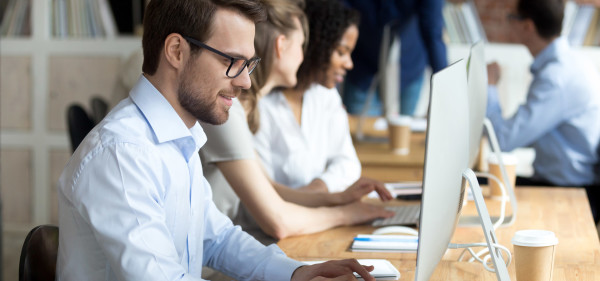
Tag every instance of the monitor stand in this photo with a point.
(359, 133)
(486, 225)
(508, 220)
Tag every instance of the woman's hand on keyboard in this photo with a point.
(362, 187)
(360, 212)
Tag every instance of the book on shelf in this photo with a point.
(462, 23)
(82, 18)
(16, 20)
(108, 20)
(592, 30)
(451, 29)
(581, 24)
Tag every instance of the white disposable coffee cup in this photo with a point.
(399, 130)
(534, 254)
(510, 162)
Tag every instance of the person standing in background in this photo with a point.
(419, 24)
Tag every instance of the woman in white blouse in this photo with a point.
(235, 173)
(304, 139)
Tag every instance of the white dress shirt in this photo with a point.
(134, 205)
(560, 119)
(320, 147)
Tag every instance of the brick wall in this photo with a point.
(493, 17)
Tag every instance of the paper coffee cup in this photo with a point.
(399, 130)
(510, 162)
(534, 252)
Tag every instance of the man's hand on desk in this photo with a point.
(493, 70)
(362, 187)
(337, 270)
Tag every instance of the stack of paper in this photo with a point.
(401, 188)
(384, 270)
(384, 243)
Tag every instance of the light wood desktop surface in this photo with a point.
(565, 211)
(377, 159)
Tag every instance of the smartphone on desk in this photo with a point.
(410, 190)
(409, 197)
(406, 190)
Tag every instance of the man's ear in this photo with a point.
(174, 50)
(280, 45)
(530, 26)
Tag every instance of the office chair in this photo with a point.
(593, 192)
(99, 109)
(38, 255)
(79, 124)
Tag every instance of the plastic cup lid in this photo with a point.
(507, 158)
(400, 120)
(534, 238)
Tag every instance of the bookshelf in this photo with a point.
(462, 23)
(581, 24)
(40, 75)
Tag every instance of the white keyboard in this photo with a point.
(404, 215)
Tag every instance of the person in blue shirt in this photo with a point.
(560, 118)
(133, 201)
(420, 25)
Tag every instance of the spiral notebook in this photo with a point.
(385, 243)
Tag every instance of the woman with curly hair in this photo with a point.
(304, 139)
(229, 159)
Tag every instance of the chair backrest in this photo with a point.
(79, 124)
(39, 253)
(99, 108)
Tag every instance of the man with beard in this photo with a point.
(133, 204)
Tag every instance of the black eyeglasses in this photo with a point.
(236, 65)
(512, 16)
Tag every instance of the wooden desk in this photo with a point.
(564, 211)
(379, 162)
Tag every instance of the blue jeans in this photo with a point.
(355, 99)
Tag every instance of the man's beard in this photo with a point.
(201, 108)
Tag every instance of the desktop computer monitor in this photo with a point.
(446, 167)
(446, 158)
(477, 93)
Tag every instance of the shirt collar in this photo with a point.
(162, 118)
(550, 53)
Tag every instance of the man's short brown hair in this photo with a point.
(192, 18)
(547, 15)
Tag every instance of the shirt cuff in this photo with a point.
(333, 185)
(280, 267)
(493, 102)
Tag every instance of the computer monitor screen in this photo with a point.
(446, 157)
(477, 92)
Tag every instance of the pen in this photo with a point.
(391, 239)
